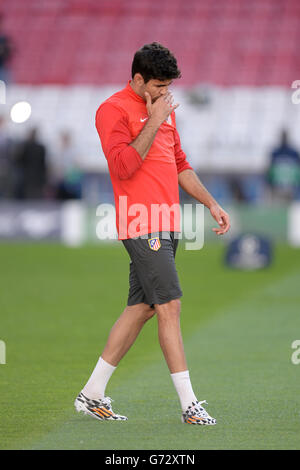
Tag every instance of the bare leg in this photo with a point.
(169, 334)
(125, 331)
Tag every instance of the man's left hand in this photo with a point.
(222, 218)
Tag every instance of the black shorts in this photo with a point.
(153, 278)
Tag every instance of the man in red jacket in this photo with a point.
(137, 129)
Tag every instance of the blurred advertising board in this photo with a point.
(74, 222)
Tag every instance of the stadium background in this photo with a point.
(239, 64)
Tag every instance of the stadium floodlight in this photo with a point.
(20, 112)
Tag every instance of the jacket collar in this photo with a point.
(133, 94)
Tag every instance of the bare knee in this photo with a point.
(148, 313)
(143, 311)
(169, 310)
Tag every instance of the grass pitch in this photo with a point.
(57, 306)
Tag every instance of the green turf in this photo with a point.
(57, 306)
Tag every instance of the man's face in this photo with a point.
(155, 88)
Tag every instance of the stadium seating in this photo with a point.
(230, 42)
(238, 61)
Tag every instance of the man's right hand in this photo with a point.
(158, 112)
(161, 109)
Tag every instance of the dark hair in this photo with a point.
(154, 61)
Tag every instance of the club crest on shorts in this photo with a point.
(154, 243)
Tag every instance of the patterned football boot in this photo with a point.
(100, 409)
(196, 414)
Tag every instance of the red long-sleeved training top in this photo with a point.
(146, 191)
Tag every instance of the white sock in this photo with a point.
(184, 388)
(96, 385)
